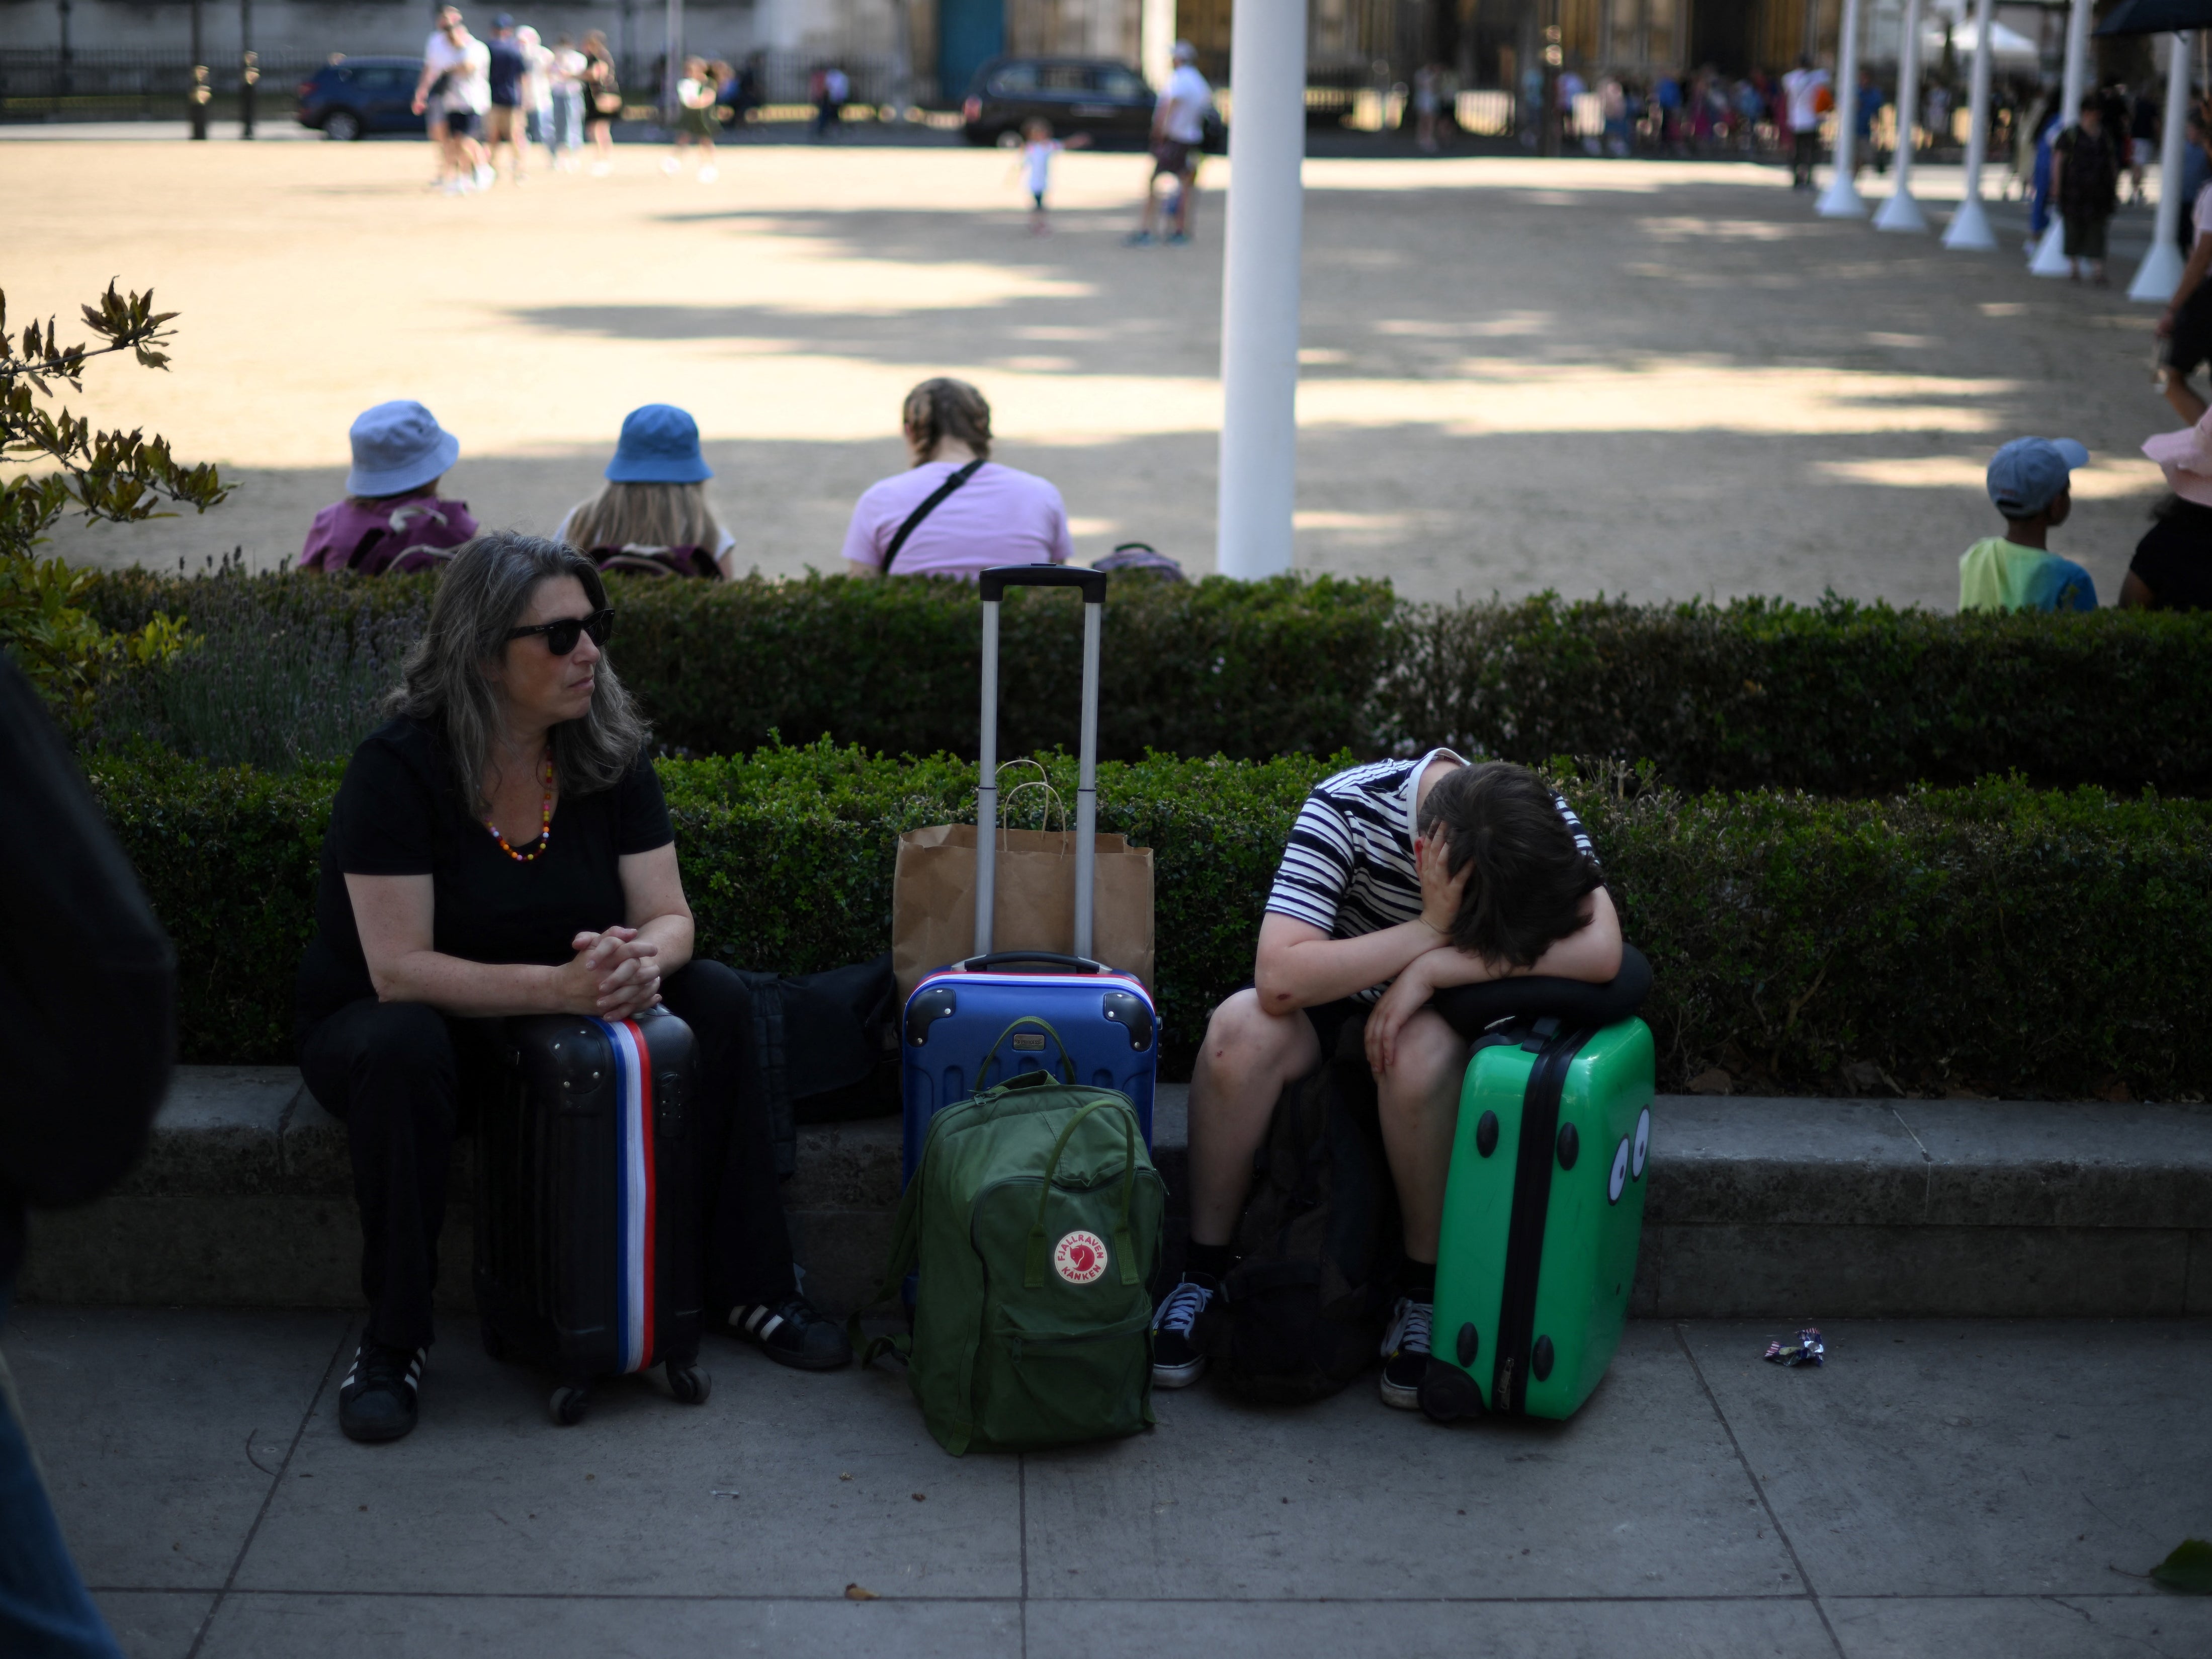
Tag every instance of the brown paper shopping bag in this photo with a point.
(933, 900)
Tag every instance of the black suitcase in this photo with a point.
(587, 1238)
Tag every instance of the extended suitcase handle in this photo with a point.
(999, 578)
(993, 584)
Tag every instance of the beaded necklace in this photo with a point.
(544, 823)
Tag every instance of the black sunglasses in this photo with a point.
(561, 636)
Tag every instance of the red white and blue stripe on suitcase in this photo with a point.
(634, 1223)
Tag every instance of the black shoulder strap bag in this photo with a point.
(936, 499)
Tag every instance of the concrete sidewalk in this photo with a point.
(1960, 1488)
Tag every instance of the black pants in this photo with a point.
(405, 1078)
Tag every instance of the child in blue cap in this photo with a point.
(391, 518)
(2029, 481)
(653, 512)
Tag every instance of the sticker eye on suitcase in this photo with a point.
(1618, 1179)
(1643, 1144)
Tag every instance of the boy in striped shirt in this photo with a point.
(1402, 878)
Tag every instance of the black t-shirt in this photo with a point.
(2174, 557)
(399, 812)
(505, 74)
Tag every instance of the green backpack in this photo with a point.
(1035, 1221)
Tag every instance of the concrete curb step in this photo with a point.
(1781, 1208)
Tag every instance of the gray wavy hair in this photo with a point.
(482, 595)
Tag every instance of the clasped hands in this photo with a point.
(1417, 981)
(613, 975)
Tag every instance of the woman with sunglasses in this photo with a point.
(501, 846)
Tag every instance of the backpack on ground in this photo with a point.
(1035, 1222)
(1318, 1241)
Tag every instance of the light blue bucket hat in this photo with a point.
(659, 444)
(397, 446)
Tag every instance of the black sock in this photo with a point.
(1212, 1260)
(1418, 1280)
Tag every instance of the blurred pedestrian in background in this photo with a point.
(1428, 103)
(451, 95)
(2184, 327)
(1800, 91)
(1177, 143)
(831, 88)
(391, 518)
(1038, 147)
(2145, 123)
(696, 95)
(564, 140)
(954, 512)
(602, 100)
(537, 88)
(1864, 109)
(504, 70)
(2085, 182)
(653, 506)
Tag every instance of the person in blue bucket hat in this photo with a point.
(653, 516)
(392, 518)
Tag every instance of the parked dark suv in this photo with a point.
(1096, 96)
(356, 96)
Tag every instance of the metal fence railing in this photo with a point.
(41, 84)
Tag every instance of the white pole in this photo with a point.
(1156, 27)
(2160, 272)
(1969, 230)
(2051, 258)
(1842, 199)
(1900, 212)
(1260, 288)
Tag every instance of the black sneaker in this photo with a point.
(1182, 1329)
(792, 1332)
(1406, 1353)
(377, 1400)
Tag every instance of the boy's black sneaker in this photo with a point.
(376, 1401)
(1406, 1353)
(1182, 1330)
(792, 1332)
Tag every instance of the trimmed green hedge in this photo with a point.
(1994, 938)
(1839, 699)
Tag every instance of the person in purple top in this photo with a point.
(391, 518)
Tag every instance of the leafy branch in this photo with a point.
(117, 478)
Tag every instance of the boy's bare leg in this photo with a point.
(1249, 1055)
(1419, 1098)
(1186, 199)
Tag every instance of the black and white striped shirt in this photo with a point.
(1349, 868)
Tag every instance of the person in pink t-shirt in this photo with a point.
(955, 512)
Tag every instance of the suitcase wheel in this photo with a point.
(494, 1343)
(1448, 1394)
(688, 1384)
(568, 1405)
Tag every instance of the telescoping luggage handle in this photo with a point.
(994, 582)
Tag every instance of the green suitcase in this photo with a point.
(1542, 1212)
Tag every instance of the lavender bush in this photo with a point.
(270, 684)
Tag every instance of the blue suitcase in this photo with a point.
(955, 1037)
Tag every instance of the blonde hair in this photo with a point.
(645, 515)
(944, 408)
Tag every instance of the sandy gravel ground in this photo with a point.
(1657, 380)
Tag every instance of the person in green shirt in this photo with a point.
(2031, 482)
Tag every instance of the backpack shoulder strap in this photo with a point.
(936, 499)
